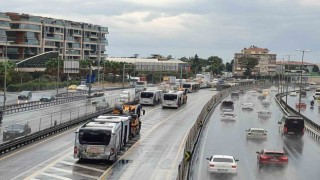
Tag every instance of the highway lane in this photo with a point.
(313, 114)
(229, 138)
(40, 119)
(163, 131)
(158, 153)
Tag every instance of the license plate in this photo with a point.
(95, 150)
(222, 170)
(290, 132)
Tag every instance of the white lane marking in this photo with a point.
(72, 172)
(41, 171)
(103, 176)
(56, 176)
(82, 166)
(40, 142)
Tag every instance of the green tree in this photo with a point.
(248, 63)
(216, 64)
(10, 69)
(52, 66)
(229, 66)
(195, 64)
(315, 68)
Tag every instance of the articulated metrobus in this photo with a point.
(150, 97)
(191, 86)
(173, 99)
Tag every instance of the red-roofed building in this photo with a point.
(267, 61)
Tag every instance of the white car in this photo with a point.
(293, 93)
(82, 88)
(264, 114)
(228, 116)
(265, 102)
(222, 164)
(247, 106)
(256, 133)
(253, 93)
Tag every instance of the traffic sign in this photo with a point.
(187, 155)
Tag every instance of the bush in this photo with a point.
(37, 86)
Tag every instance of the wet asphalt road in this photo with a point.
(156, 154)
(313, 114)
(40, 119)
(229, 138)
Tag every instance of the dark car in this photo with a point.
(235, 95)
(25, 95)
(268, 157)
(227, 106)
(292, 125)
(47, 98)
(303, 93)
(16, 130)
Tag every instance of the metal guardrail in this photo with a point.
(63, 98)
(312, 128)
(38, 104)
(194, 133)
(22, 141)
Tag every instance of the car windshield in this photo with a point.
(15, 127)
(228, 114)
(264, 112)
(222, 160)
(248, 104)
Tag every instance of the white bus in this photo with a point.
(191, 86)
(173, 99)
(102, 138)
(150, 97)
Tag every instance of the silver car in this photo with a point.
(256, 133)
(264, 114)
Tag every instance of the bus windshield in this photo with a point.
(94, 137)
(170, 97)
(146, 94)
(186, 85)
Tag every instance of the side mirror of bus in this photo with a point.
(143, 112)
(279, 122)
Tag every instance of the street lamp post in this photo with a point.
(58, 73)
(301, 68)
(289, 55)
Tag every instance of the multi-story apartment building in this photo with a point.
(267, 61)
(32, 35)
(4, 26)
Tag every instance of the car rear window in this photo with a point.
(222, 160)
(274, 154)
(257, 131)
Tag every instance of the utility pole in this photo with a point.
(289, 55)
(301, 69)
(90, 76)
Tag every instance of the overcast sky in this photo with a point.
(188, 27)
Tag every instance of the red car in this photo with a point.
(266, 157)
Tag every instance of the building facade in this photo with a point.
(27, 35)
(267, 61)
(294, 67)
(154, 64)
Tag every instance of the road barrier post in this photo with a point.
(40, 125)
(51, 120)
